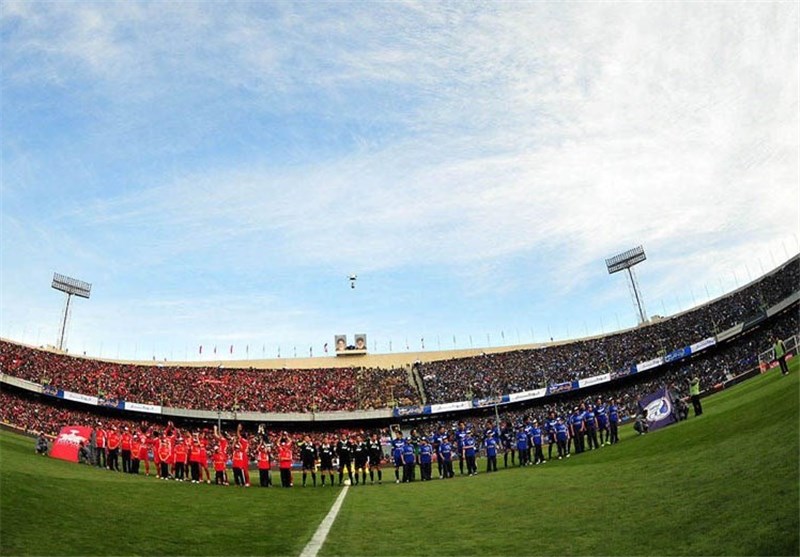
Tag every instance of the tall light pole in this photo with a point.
(625, 262)
(71, 287)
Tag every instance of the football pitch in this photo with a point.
(726, 483)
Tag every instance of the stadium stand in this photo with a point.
(214, 388)
(519, 370)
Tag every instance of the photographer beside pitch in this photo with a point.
(694, 394)
(780, 355)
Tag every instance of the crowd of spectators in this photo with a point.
(712, 367)
(349, 389)
(34, 413)
(214, 388)
(520, 370)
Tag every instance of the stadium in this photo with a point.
(220, 172)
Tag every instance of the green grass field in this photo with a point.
(726, 483)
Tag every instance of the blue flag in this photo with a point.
(660, 410)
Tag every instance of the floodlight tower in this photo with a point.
(625, 261)
(71, 287)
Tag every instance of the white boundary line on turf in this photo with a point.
(315, 544)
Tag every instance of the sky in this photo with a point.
(217, 170)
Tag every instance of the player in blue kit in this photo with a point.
(438, 438)
(522, 445)
(527, 427)
(537, 437)
(576, 430)
(613, 422)
(492, 431)
(469, 452)
(601, 414)
(562, 434)
(409, 461)
(425, 460)
(446, 456)
(507, 439)
(397, 453)
(461, 433)
(550, 430)
(490, 443)
(590, 427)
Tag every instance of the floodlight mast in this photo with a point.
(626, 261)
(71, 287)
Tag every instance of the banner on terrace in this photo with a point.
(138, 407)
(649, 364)
(491, 401)
(623, 372)
(68, 442)
(402, 411)
(451, 406)
(678, 354)
(527, 395)
(659, 409)
(702, 345)
(596, 380)
(77, 397)
(562, 387)
(111, 403)
(50, 390)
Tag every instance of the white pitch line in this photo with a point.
(313, 546)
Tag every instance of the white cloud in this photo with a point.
(460, 138)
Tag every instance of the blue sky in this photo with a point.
(218, 170)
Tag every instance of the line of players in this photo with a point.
(179, 455)
(588, 427)
(184, 456)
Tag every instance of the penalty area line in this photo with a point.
(315, 544)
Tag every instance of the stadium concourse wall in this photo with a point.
(409, 411)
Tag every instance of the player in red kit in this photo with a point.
(285, 460)
(220, 459)
(100, 440)
(144, 449)
(244, 443)
(135, 447)
(179, 454)
(125, 444)
(239, 462)
(204, 459)
(223, 445)
(112, 442)
(194, 459)
(263, 465)
(164, 451)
